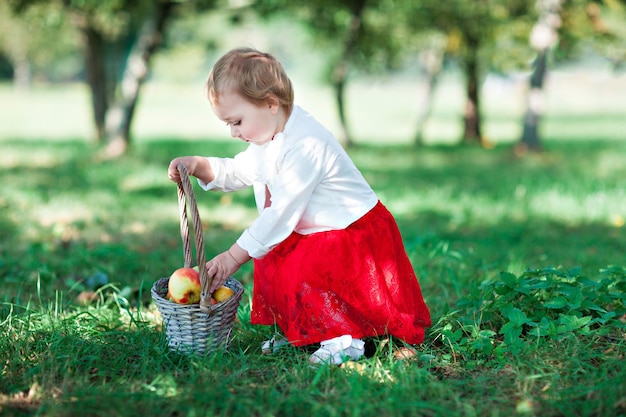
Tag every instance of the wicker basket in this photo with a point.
(196, 328)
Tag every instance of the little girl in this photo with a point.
(329, 262)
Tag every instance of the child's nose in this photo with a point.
(234, 132)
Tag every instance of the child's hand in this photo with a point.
(197, 166)
(172, 170)
(220, 268)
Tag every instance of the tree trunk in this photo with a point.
(22, 74)
(472, 129)
(530, 136)
(96, 76)
(340, 73)
(119, 118)
(433, 62)
(339, 84)
(542, 37)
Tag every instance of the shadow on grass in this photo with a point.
(466, 213)
(86, 365)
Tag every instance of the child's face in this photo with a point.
(248, 122)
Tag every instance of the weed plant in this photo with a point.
(521, 261)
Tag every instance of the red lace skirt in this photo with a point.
(357, 281)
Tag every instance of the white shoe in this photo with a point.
(274, 344)
(338, 350)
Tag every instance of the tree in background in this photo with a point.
(119, 39)
(599, 25)
(432, 54)
(580, 24)
(419, 41)
(473, 29)
(608, 22)
(543, 38)
(356, 34)
(106, 29)
(149, 37)
(25, 43)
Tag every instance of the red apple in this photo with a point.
(184, 286)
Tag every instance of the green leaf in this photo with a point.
(508, 279)
(540, 284)
(574, 296)
(512, 338)
(575, 271)
(587, 283)
(555, 303)
(515, 315)
(569, 323)
(502, 289)
(539, 329)
(453, 336)
(590, 305)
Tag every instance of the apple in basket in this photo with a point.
(222, 294)
(184, 286)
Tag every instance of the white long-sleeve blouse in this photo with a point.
(313, 183)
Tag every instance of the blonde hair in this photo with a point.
(258, 77)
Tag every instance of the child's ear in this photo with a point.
(273, 104)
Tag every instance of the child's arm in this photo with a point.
(225, 264)
(198, 166)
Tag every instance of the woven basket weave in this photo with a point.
(204, 327)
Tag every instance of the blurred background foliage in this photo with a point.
(422, 88)
(115, 46)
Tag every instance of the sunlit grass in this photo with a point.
(551, 204)
(71, 224)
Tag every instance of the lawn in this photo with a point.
(521, 261)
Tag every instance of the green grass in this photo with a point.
(521, 261)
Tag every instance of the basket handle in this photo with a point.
(185, 193)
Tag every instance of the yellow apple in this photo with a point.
(184, 286)
(222, 294)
